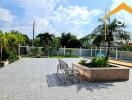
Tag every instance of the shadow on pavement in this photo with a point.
(54, 80)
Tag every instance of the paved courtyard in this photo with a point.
(26, 80)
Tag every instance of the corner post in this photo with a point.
(64, 50)
(80, 51)
(19, 50)
(116, 53)
(91, 52)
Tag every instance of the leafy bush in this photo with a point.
(83, 62)
(69, 52)
(12, 56)
(96, 62)
(34, 51)
(8, 54)
(99, 62)
(5, 54)
(126, 48)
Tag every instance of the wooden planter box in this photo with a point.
(102, 74)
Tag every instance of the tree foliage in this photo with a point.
(114, 33)
(46, 40)
(119, 36)
(9, 42)
(70, 41)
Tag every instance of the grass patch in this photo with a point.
(64, 57)
(28, 56)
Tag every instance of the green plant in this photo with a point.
(69, 52)
(5, 54)
(8, 54)
(63, 56)
(96, 62)
(126, 48)
(34, 51)
(83, 62)
(12, 56)
(99, 62)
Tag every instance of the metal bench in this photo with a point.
(69, 73)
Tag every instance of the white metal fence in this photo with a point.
(26, 50)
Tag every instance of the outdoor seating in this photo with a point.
(68, 72)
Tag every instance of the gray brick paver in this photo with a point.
(26, 80)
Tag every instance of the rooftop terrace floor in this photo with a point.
(26, 79)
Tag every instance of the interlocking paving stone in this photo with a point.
(26, 80)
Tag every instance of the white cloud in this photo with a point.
(126, 16)
(52, 16)
(72, 18)
(38, 8)
(5, 15)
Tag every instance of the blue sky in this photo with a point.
(79, 17)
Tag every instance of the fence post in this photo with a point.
(91, 52)
(80, 51)
(100, 50)
(116, 53)
(64, 50)
(121, 54)
(19, 50)
(95, 50)
(27, 49)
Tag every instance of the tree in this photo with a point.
(56, 44)
(3, 43)
(70, 41)
(22, 38)
(46, 41)
(114, 32)
(9, 44)
(87, 40)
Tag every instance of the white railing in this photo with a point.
(25, 50)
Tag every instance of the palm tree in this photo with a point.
(87, 40)
(114, 33)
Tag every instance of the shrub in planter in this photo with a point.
(99, 62)
(96, 62)
(83, 62)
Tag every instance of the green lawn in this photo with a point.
(63, 56)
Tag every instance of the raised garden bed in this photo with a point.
(117, 73)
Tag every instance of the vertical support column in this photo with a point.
(100, 50)
(27, 49)
(1, 44)
(121, 54)
(64, 50)
(19, 54)
(95, 50)
(80, 51)
(91, 52)
(116, 53)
